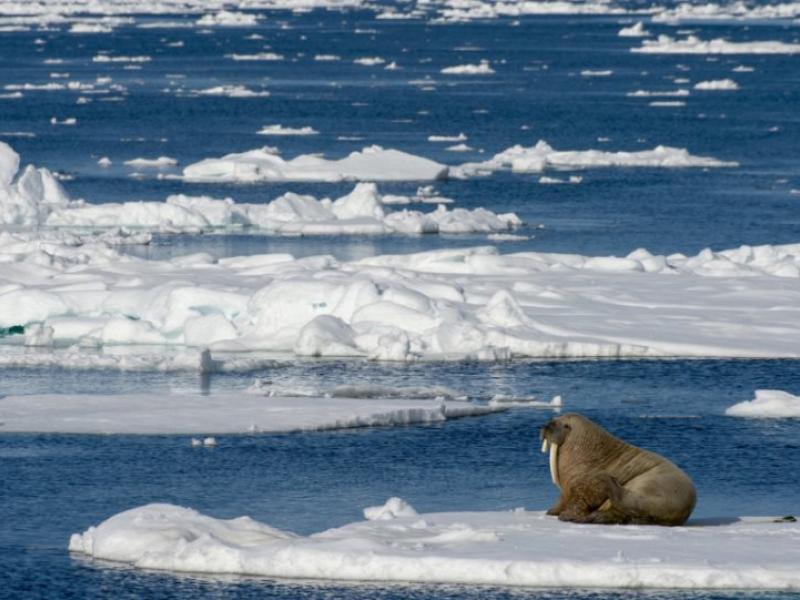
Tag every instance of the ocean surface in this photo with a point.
(55, 485)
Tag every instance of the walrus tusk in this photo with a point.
(554, 464)
(545, 444)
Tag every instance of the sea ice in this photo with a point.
(635, 30)
(512, 548)
(370, 164)
(482, 68)
(665, 44)
(226, 413)
(717, 84)
(281, 130)
(768, 404)
(542, 156)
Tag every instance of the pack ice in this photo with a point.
(37, 199)
(514, 548)
(446, 304)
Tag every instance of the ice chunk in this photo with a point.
(768, 404)
(370, 164)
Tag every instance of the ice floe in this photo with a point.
(482, 68)
(148, 163)
(362, 211)
(665, 44)
(225, 413)
(542, 156)
(281, 130)
(717, 85)
(768, 404)
(233, 91)
(370, 164)
(635, 30)
(226, 18)
(731, 11)
(512, 548)
(260, 56)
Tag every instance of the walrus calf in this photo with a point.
(605, 480)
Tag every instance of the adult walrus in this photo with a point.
(605, 480)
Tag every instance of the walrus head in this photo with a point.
(564, 430)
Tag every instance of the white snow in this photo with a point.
(665, 44)
(370, 164)
(635, 30)
(224, 413)
(482, 68)
(717, 84)
(513, 548)
(542, 156)
(281, 130)
(768, 404)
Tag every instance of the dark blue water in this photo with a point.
(612, 211)
(56, 485)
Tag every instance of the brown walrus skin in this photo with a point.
(605, 480)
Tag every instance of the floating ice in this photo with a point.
(225, 18)
(260, 56)
(717, 84)
(601, 73)
(768, 404)
(149, 163)
(233, 91)
(281, 130)
(229, 413)
(731, 11)
(513, 548)
(369, 61)
(542, 156)
(482, 68)
(665, 44)
(635, 30)
(370, 164)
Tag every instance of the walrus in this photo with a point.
(605, 480)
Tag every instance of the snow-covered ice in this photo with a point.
(233, 91)
(635, 30)
(542, 156)
(149, 163)
(717, 85)
(512, 548)
(768, 404)
(362, 211)
(370, 164)
(281, 130)
(482, 68)
(665, 44)
(226, 413)
(444, 304)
